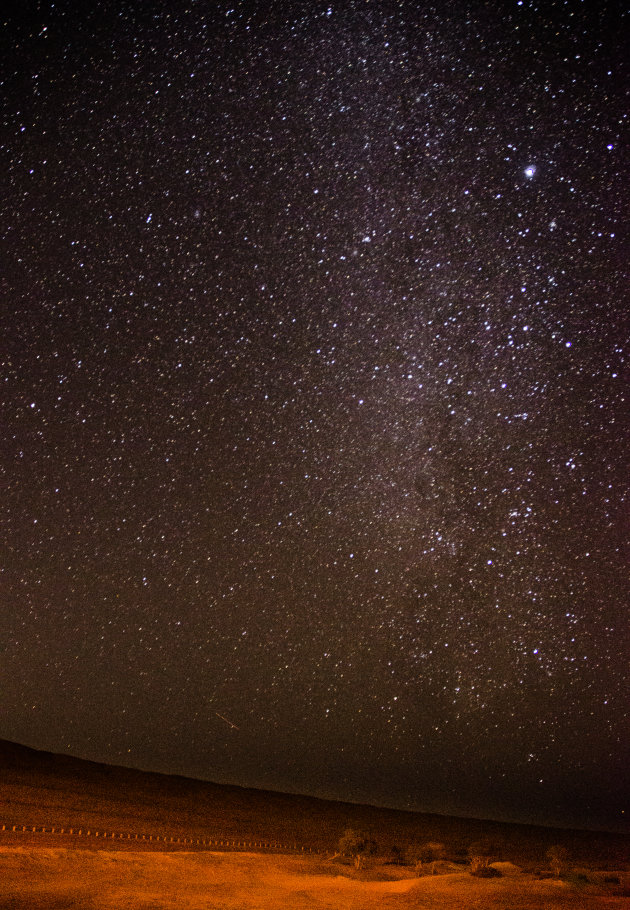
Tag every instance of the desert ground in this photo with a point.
(142, 858)
(34, 878)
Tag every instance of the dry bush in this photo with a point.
(481, 853)
(557, 856)
(483, 870)
(426, 856)
(356, 845)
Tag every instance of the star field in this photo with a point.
(314, 398)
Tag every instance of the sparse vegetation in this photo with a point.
(577, 879)
(481, 853)
(557, 856)
(396, 856)
(56, 790)
(357, 846)
(428, 854)
(32, 878)
(484, 871)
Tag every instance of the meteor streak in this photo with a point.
(229, 722)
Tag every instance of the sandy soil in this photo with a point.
(61, 879)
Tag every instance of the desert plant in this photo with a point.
(431, 852)
(485, 872)
(557, 856)
(481, 853)
(356, 845)
(577, 879)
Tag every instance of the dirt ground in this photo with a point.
(62, 879)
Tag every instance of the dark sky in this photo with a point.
(314, 446)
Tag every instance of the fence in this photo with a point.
(225, 843)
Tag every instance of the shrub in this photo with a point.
(578, 879)
(430, 853)
(484, 871)
(480, 852)
(557, 856)
(356, 845)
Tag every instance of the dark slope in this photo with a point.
(42, 788)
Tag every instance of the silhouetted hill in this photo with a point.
(42, 788)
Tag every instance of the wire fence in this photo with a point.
(157, 839)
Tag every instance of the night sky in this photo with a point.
(314, 439)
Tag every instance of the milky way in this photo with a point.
(314, 435)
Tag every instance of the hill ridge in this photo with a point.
(48, 788)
